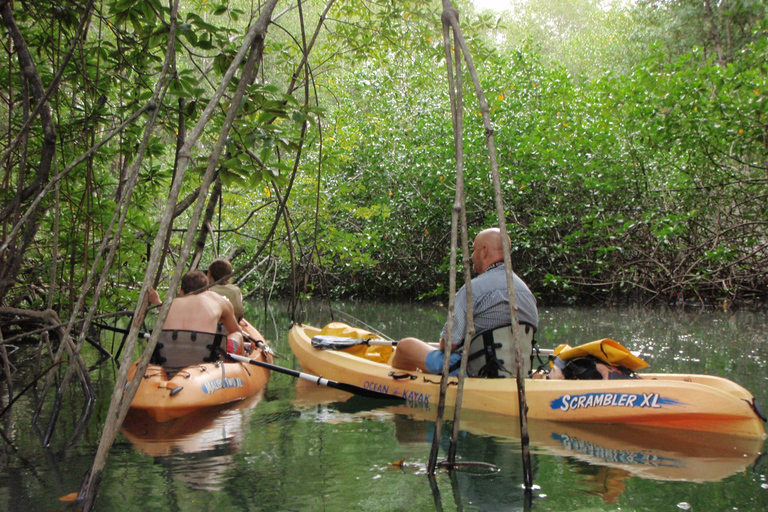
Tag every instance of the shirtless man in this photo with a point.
(198, 313)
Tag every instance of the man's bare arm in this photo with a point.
(227, 315)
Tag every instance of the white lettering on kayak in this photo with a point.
(216, 384)
(640, 400)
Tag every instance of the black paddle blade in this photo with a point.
(336, 342)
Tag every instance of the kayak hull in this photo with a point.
(197, 387)
(678, 401)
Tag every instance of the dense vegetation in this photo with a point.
(631, 141)
(641, 178)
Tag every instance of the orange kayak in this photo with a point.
(198, 386)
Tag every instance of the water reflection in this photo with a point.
(470, 488)
(604, 456)
(297, 450)
(197, 449)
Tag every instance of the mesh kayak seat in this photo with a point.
(492, 352)
(178, 349)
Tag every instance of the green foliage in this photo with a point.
(632, 159)
(112, 73)
(618, 184)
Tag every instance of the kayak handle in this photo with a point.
(402, 376)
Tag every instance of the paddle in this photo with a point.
(340, 343)
(349, 388)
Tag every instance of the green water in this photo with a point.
(303, 448)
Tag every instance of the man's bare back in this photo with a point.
(201, 312)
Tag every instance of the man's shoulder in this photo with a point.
(210, 296)
(210, 293)
(225, 288)
(223, 303)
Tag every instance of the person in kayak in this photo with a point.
(491, 308)
(192, 322)
(221, 268)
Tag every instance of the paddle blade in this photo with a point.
(321, 342)
(335, 342)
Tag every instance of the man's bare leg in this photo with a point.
(411, 354)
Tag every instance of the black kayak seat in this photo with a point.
(177, 349)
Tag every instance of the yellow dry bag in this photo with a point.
(606, 350)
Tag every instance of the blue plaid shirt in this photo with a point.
(491, 304)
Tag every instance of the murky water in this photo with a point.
(298, 447)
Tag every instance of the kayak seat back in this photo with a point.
(492, 353)
(178, 349)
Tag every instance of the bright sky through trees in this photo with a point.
(496, 5)
(508, 5)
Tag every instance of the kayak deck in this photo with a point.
(679, 401)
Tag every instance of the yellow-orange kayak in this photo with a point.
(198, 386)
(680, 401)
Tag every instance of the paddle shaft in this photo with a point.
(360, 322)
(320, 381)
(121, 331)
(391, 343)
